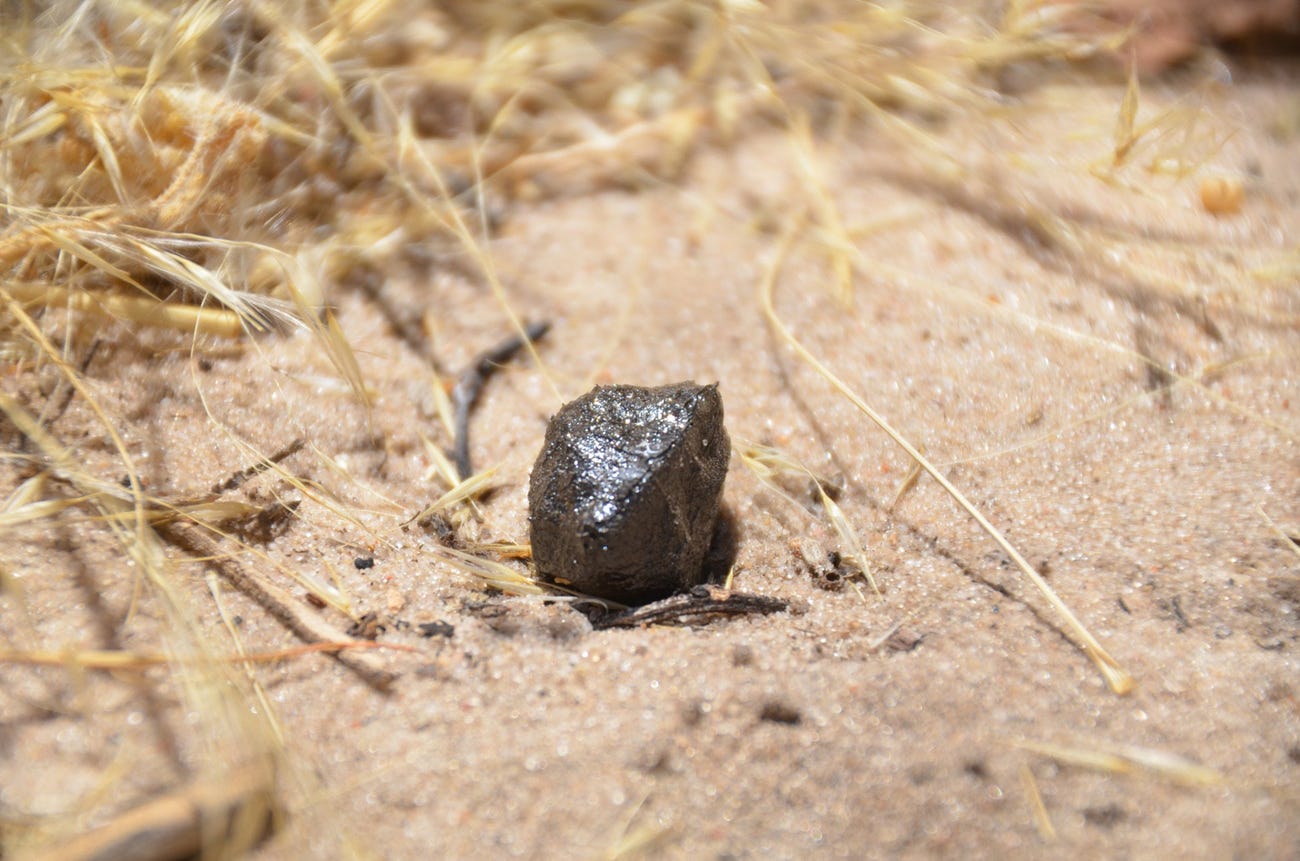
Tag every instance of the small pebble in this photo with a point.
(436, 629)
(1221, 195)
(779, 711)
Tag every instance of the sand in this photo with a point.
(1018, 361)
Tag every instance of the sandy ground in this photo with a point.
(1014, 360)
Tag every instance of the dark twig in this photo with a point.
(69, 391)
(700, 604)
(471, 382)
(53, 414)
(248, 472)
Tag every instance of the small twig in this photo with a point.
(68, 391)
(471, 382)
(248, 472)
(700, 604)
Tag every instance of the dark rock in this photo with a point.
(624, 497)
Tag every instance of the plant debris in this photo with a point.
(701, 605)
(471, 382)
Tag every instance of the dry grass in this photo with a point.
(210, 171)
(769, 465)
(1128, 759)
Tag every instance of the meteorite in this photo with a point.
(624, 497)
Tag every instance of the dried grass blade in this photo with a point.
(848, 537)
(341, 355)
(28, 491)
(101, 659)
(766, 463)
(85, 254)
(495, 574)
(11, 517)
(1042, 821)
(1287, 540)
(104, 148)
(462, 492)
(441, 464)
(1125, 122)
(148, 311)
(1126, 759)
(45, 120)
(181, 270)
(206, 513)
